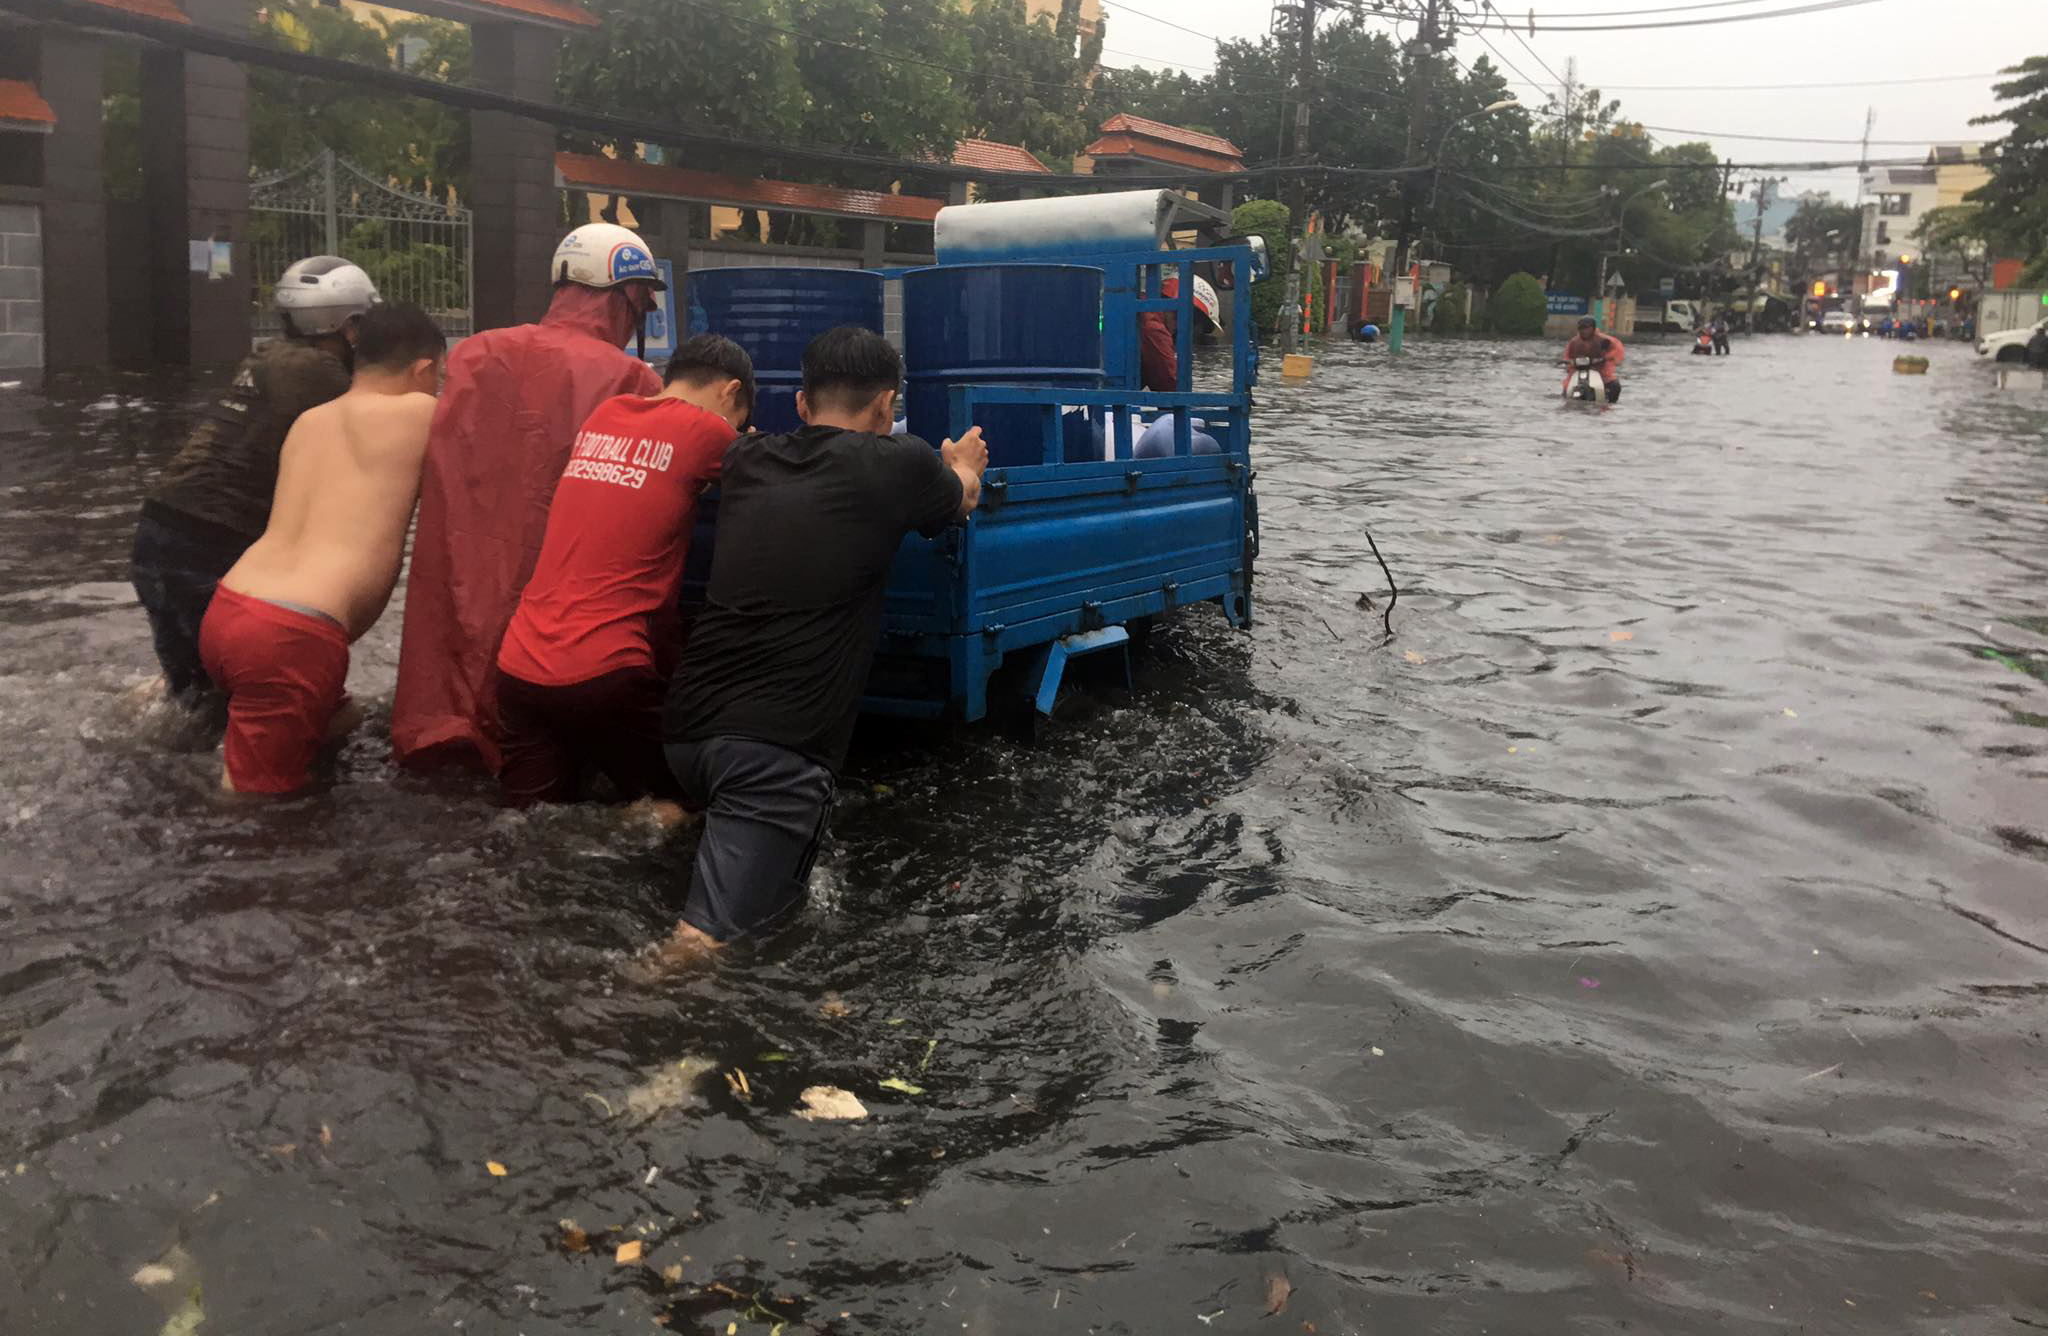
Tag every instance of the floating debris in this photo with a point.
(1278, 1288)
(494, 1169)
(673, 1085)
(154, 1274)
(1585, 982)
(1621, 635)
(573, 1237)
(830, 1103)
(628, 1253)
(900, 1085)
(188, 1319)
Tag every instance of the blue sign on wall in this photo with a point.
(1566, 303)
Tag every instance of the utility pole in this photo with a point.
(1862, 166)
(1756, 244)
(1430, 38)
(1304, 78)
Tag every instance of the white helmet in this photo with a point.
(604, 255)
(1205, 302)
(321, 293)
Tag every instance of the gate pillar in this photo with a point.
(74, 205)
(195, 158)
(514, 204)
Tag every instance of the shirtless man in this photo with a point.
(276, 636)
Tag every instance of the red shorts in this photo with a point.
(283, 671)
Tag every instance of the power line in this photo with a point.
(1116, 6)
(1158, 60)
(1556, 78)
(1767, 139)
(1775, 88)
(1660, 9)
(1500, 57)
(1694, 23)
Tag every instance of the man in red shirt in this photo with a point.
(581, 679)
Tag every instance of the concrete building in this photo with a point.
(24, 120)
(1895, 199)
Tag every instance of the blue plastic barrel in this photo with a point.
(773, 313)
(1004, 324)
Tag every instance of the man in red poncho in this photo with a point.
(508, 417)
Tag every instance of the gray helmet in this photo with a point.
(322, 293)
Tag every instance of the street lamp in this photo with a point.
(1436, 175)
(1621, 223)
(1397, 319)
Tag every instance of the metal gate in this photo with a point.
(415, 248)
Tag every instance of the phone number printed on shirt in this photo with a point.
(623, 460)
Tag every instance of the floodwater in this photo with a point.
(1652, 936)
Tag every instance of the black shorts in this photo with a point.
(174, 571)
(556, 737)
(765, 811)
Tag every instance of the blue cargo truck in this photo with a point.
(1028, 326)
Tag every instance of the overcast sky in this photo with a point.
(1646, 70)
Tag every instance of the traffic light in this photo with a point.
(1820, 288)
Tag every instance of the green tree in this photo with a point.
(1821, 234)
(1027, 79)
(1953, 236)
(1355, 112)
(1268, 218)
(689, 61)
(1519, 306)
(1172, 96)
(410, 142)
(2014, 203)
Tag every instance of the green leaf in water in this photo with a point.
(900, 1085)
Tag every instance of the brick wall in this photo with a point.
(21, 287)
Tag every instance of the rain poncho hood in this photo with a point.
(508, 416)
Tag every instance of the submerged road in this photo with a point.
(1652, 936)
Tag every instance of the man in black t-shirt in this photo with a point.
(762, 706)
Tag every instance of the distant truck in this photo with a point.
(1675, 316)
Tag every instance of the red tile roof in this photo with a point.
(1172, 134)
(23, 108)
(1153, 150)
(991, 156)
(582, 171)
(549, 11)
(166, 10)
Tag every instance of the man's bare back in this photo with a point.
(347, 481)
